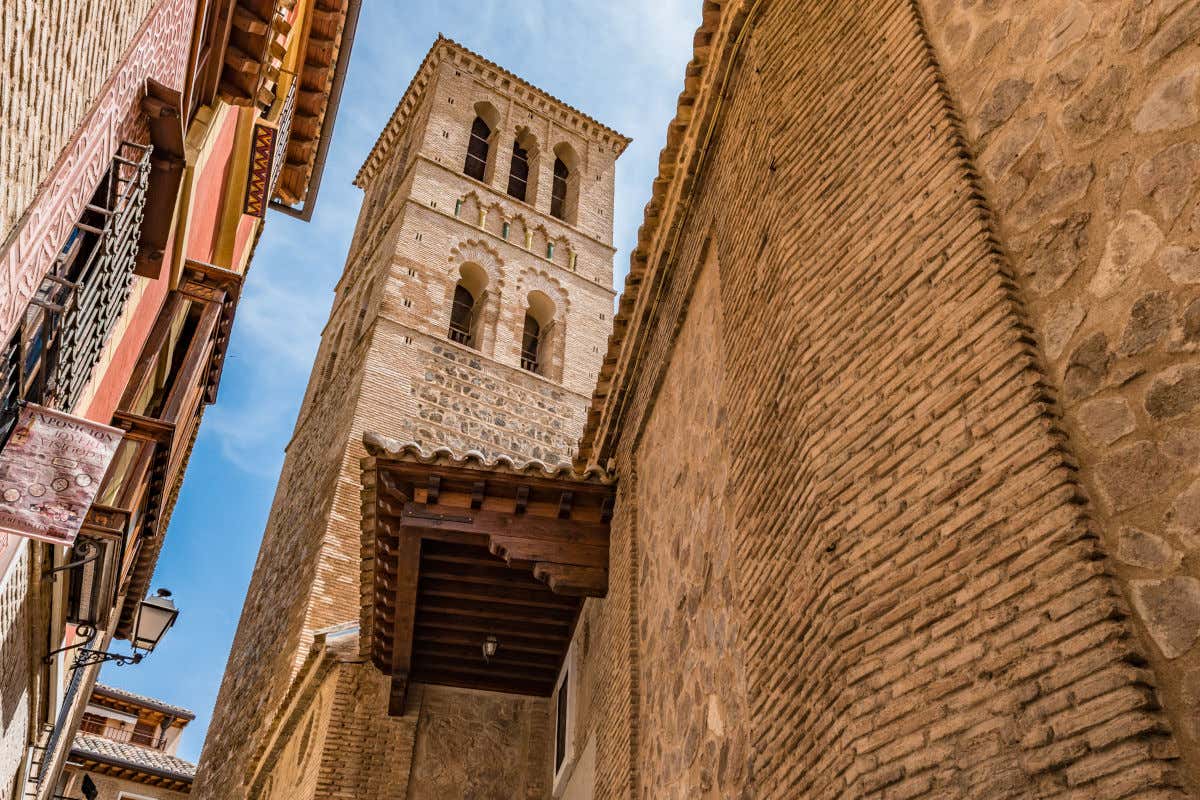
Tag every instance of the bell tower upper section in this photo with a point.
(482, 261)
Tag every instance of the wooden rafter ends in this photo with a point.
(457, 550)
(318, 69)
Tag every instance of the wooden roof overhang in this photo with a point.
(457, 549)
(124, 770)
(322, 66)
(136, 706)
(173, 434)
(240, 52)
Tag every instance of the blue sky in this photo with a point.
(620, 61)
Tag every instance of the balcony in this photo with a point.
(50, 357)
(98, 727)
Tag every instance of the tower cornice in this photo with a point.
(445, 48)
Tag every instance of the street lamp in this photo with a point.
(155, 617)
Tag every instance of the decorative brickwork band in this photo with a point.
(160, 52)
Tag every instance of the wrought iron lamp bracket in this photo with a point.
(87, 656)
(83, 547)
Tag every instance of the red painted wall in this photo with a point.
(208, 190)
(128, 349)
(245, 235)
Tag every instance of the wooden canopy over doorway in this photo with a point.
(459, 549)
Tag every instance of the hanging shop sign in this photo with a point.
(50, 472)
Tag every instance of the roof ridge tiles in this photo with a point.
(407, 450)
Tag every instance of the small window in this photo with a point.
(518, 172)
(561, 722)
(563, 710)
(558, 192)
(477, 149)
(530, 343)
(461, 314)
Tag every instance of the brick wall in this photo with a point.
(923, 604)
(366, 754)
(61, 49)
(1086, 121)
(694, 715)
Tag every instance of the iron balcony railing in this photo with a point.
(58, 341)
(123, 735)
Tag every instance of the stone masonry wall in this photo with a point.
(61, 49)
(694, 729)
(481, 745)
(462, 404)
(925, 606)
(1086, 120)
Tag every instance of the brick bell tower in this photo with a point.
(473, 313)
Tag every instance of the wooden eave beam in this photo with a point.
(408, 565)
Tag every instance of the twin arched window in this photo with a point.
(518, 172)
(462, 315)
(477, 149)
(470, 296)
(531, 343)
(558, 191)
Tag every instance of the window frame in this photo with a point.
(459, 327)
(473, 137)
(558, 202)
(567, 680)
(520, 156)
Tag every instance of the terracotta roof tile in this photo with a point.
(143, 700)
(384, 447)
(141, 758)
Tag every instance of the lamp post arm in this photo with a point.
(84, 548)
(87, 656)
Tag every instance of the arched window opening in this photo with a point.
(470, 297)
(477, 149)
(531, 343)
(363, 305)
(536, 333)
(518, 172)
(462, 312)
(331, 361)
(558, 191)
